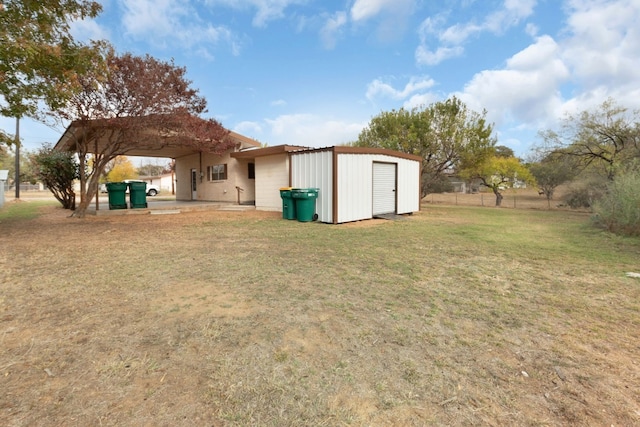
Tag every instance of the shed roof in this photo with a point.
(338, 149)
(343, 149)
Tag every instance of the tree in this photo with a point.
(602, 140)
(122, 169)
(550, 172)
(25, 171)
(502, 151)
(5, 139)
(498, 173)
(446, 135)
(57, 170)
(39, 59)
(153, 170)
(618, 210)
(6, 160)
(139, 102)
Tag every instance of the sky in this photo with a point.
(315, 72)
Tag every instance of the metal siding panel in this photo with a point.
(354, 187)
(408, 186)
(314, 170)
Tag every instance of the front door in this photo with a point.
(194, 184)
(384, 188)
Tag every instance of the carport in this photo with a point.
(191, 160)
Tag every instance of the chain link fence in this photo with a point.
(515, 199)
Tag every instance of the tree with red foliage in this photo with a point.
(135, 103)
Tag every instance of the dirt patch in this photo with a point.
(364, 224)
(199, 299)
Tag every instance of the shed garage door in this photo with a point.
(384, 188)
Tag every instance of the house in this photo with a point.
(354, 183)
(217, 177)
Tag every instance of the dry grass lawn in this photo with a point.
(456, 316)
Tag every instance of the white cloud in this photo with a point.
(604, 46)
(249, 129)
(393, 16)
(170, 23)
(266, 10)
(421, 100)
(427, 57)
(378, 88)
(158, 17)
(88, 29)
(279, 103)
(365, 9)
(331, 29)
(311, 130)
(527, 89)
(459, 33)
(450, 39)
(510, 15)
(531, 29)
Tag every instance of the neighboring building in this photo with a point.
(165, 182)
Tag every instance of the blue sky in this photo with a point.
(312, 72)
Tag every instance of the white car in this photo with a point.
(152, 190)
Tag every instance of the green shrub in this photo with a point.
(439, 184)
(618, 210)
(584, 194)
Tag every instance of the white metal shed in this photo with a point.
(358, 183)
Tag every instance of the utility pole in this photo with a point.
(17, 167)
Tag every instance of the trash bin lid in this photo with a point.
(305, 190)
(285, 188)
(116, 185)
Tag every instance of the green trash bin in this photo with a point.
(305, 199)
(138, 194)
(288, 204)
(116, 192)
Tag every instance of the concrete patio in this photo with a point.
(163, 206)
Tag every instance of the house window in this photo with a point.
(252, 171)
(217, 172)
